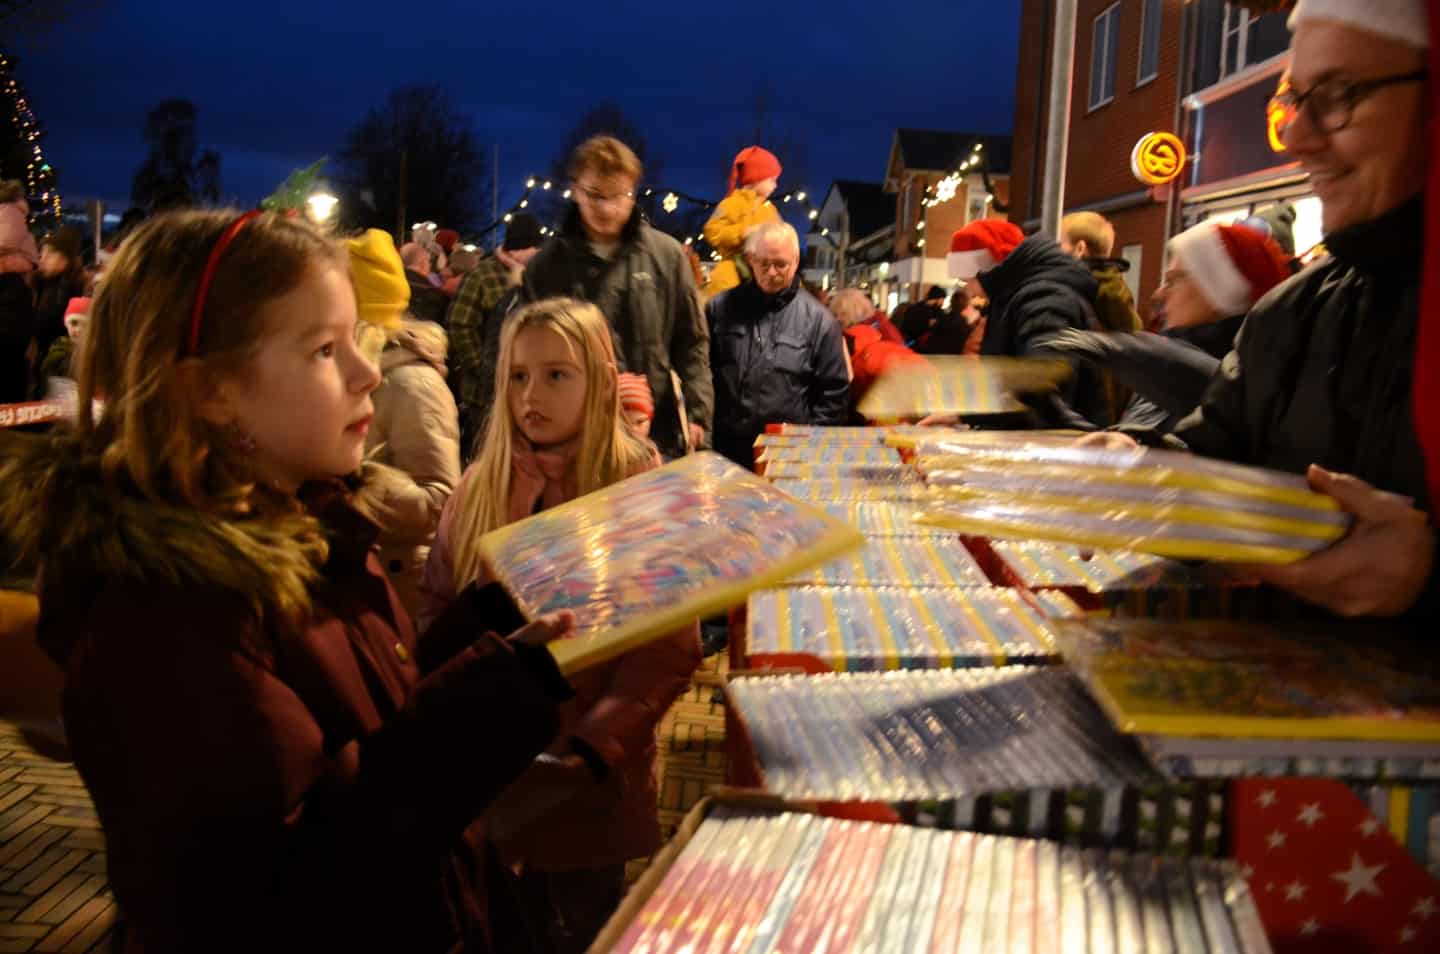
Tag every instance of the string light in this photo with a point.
(39, 175)
(671, 203)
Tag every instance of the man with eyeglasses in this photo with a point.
(640, 278)
(1320, 378)
(778, 354)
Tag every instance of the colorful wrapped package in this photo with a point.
(1148, 500)
(901, 561)
(832, 454)
(854, 489)
(755, 881)
(938, 734)
(958, 386)
(657, 551)
(1229, 698)
(892, 473)
(868, 628)
(889, 518)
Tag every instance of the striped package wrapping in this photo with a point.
(868, 628)
(887, 519)
(750, 881)
(851, 489)
(877, 454)
(909, 736)
(901, 561)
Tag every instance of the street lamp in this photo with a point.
(322, 207)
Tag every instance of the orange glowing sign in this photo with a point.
(1277, 114)
(1157, 158)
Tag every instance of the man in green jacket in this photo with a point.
(640, 278)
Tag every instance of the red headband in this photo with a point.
(226, 237)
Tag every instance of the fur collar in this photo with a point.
(58, 516)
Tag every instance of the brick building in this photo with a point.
(919, 160)
(1202, 69)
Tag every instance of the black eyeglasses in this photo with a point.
(1331, 103)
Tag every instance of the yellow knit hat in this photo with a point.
(381, 292)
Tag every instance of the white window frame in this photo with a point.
(1241, 32)
(1146, 35)
(1108, 62)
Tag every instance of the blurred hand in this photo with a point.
(697, 437)
(1108, 440)
(940, 420)
(545, 630)
(1381, 566)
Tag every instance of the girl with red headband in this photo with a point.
(753, 177)
(273, 766)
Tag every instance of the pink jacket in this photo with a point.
(616, 709)
(17, 246)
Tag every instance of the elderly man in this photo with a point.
(427, 301)
(641, 279)
(776, 353)
(1320, 378)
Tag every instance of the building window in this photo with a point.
(1235, 39)
(905, 209)
(1151, 18)
(1104, 43)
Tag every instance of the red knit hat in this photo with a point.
(1231, 265)
(753, 164)
(77, 313)
(446, 239)
(982, 244)
(635, 397)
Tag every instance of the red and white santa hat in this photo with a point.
(982, 244)
(1404, 21)
(1231, 265)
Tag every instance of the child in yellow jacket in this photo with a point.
(753, 177)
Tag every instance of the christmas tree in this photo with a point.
(20, 154)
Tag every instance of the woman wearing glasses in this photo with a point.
(1320, 379)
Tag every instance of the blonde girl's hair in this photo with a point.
(609, 451)
(151, 440)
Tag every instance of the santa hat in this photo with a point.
(635, 397)
(753, 164)
(1231, 265)
(982, 244)
(77, 315)
(1404, 21)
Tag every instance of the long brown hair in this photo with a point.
(151, 439)
(609, 450)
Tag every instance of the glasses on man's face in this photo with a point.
(593, 196)
(773, 265)
(1331, 103)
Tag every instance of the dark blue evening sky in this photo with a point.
(280, 82)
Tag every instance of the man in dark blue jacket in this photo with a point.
(776, 353)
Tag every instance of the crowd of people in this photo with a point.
(303, 707)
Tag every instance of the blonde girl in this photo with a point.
(589, 804)
(271, 768)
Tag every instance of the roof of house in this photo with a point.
(871, 208)
(941, 151)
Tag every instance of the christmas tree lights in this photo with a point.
(27, 133)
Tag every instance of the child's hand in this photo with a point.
(545, 630)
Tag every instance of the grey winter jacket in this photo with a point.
(777, 359)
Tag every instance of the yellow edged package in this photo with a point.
(960, 386)
(1152, 501)
(642, 557)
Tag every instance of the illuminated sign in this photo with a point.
(1277, 114)
(1157, 158)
